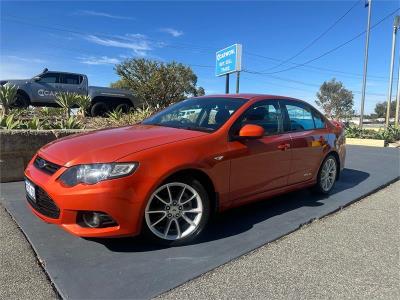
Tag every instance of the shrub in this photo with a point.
(83, 102)
(47, 112)
(353, 132)
(115, 115)
(70, 123)
(35, 124)
(7, 97)
(10, 122)
(389, 135)
(67, 101)
(144, 113)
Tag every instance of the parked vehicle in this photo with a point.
(42, 89)
(167, 175)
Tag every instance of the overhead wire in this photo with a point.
(197, 48)
(320, 36)
(337, 47)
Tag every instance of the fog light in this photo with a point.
(94, 219)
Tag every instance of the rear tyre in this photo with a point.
(123, 107)
(327, 175)
(20, 101)
(98, 109)
(177, 212)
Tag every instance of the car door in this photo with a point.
(262, 164)
(44, 88)
(308, 140)
(72, 83)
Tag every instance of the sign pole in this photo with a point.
(396, 118)
(227, 84)
(389, 100)
(364, 84)
(237, 81)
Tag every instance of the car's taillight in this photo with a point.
(339, 126)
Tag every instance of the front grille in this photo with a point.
(45, 165)
(44, 204)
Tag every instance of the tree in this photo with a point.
(157, 83)
(200, 91)
(380, 109)
(335, 99)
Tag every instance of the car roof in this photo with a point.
(249, 96)
(62, 72)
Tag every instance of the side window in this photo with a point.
(266, 114)
(300, 117)
(318, 120)
(71, 79)
(50, 78)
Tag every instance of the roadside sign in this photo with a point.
(228, 60)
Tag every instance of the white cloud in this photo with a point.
(103, 60)
(172, 31)
(94, 13)
(25, 59)
(136, 42)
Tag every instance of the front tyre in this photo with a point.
(20, 101)
(177, 212)
(327, 175)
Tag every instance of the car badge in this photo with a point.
(41, 163)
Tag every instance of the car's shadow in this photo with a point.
(237, 220)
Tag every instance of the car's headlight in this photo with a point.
(94, 173)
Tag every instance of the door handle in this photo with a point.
(283, 147)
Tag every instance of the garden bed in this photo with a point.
(372, 137)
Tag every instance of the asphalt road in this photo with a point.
(21, 277)
(130, 268)
(353, 254)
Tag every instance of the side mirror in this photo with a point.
(251, 131)
(36, 78)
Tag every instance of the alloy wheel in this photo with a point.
(174, 211)
(328, 174)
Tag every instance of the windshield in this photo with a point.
(202, 114)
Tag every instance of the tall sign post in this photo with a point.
(227, 61)
(396, 117)
(389, 100)
(368, 3)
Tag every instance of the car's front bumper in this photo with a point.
(116, 197)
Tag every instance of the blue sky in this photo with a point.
(90, 37)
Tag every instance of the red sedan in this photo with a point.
(166, 176)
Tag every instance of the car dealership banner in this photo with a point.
(229, 60)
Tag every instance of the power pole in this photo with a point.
(396, 118)
(369, 4)
(389, 100)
